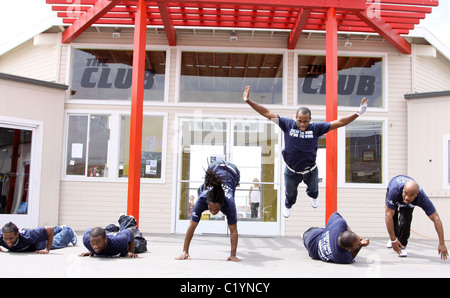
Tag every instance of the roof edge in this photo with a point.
(28, 33)
(426, 34)
(427, 94)
(19, 79)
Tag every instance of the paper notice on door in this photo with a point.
(151, 166)
(77, 150)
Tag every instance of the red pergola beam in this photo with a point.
(287, 15)
(86, 2)
(86, 20)
(403, 8)
(299, 25)
(413, 2)
(264, 17)
(386, 31)
(229, 24)
(75, 2)
(335, 3)
(310, 4)
(167, 22)
(209, 14)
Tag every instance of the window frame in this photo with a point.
(342, 157)
(162, 179)
(35, 177)
(113, 150)
(66, 145)
(126, 47)
(179, 225)
(384, 69)
(240, 50)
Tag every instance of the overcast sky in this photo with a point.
(15, 22)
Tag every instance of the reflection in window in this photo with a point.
(321, 158)
(201, 143)
(221, 77)
(152, 146)
(255, 148)
(107, 74)
(358, 77)
(364, 152)
(251, 145)
(15, 154)
(87, 146)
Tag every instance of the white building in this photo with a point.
(193, 109)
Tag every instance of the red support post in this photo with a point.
(331, 111)
(137, 101)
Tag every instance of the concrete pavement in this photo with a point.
(262, 257)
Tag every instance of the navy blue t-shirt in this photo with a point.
(29, 240)
(117, 243)
(300, 148)
(323, 244)
(230, 179)
(394, 196)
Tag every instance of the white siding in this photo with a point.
(46, 105)
(432, 74)
(428, 122)
(36, 62)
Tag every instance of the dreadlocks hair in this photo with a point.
(213, 183)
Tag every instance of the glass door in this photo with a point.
(252, 145)
(201, 141)
(15, 163)
(255, 151)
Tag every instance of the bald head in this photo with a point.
(410, 191)
(412, 186)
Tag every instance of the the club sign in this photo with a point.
(364, 85)
(99, 74)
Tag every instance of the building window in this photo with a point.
(364, 152)
(358, 77)
(221, 77)
(252, 145)
(254, 151)
(152, 146)
(87, 145)
(91, 151)
(104, 74)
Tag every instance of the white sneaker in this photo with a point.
(403, 253)
(389, 244)
(315, 202)
(286, 212)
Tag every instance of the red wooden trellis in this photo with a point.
(391, 19)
